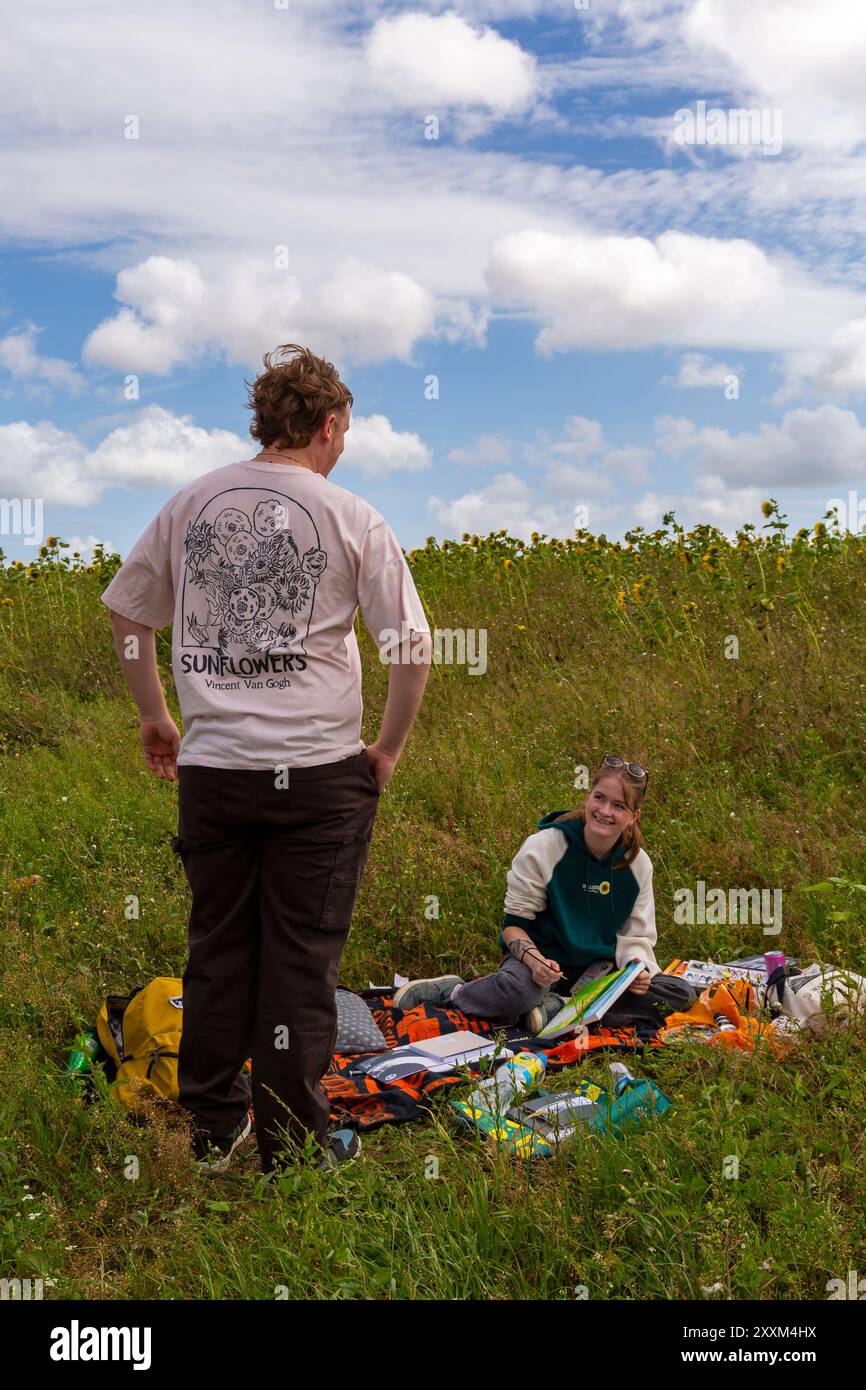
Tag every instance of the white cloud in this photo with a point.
(697, 370)
(506, 501)
(836, 366)
(343, 192)
(172, 314)
(630, 292)
(713, 501)
(44, 462)
(86, 546)
(161, 321)
(441, 60)
(374, 447)
(366, 314)
(488, 448)
(580, 470)
(804, 59)
(160, 449)
(156, 448)
(632, 461)
(808, 446)
(567, 480)
(583, 437)
(19, 357)
(807, 59)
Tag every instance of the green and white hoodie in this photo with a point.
(576, 908)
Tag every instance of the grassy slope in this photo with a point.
(756, 782)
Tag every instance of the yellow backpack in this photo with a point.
(141, 1034)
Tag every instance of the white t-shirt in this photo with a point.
(261, 567)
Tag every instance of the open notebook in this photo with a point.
(442, 1054)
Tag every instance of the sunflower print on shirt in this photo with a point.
(252, 564)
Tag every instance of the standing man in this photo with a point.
(261, 567)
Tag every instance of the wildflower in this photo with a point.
(689, 609)
(620, 598)
(507, 563)
(780, 563)
(767, 509)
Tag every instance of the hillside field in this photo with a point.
(756, 752)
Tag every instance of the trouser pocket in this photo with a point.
(343, 884)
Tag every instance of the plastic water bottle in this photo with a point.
(622, 1077)
(496, 1093)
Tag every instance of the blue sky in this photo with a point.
(618, 320)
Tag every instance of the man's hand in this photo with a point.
(641, 983)
(382, 764)
(161, 743)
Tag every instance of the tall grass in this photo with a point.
(755, 748)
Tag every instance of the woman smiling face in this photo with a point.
(606, 814)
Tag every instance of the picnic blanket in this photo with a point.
(360, 1102)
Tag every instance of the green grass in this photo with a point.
(756, 781)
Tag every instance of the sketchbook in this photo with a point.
(591, 1001)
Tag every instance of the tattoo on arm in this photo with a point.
(519, 945)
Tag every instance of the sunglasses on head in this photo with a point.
(633, 769)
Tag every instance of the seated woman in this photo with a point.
(579, 902)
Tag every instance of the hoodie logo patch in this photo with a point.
(602, 888)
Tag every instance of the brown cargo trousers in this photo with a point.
(274, 873)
